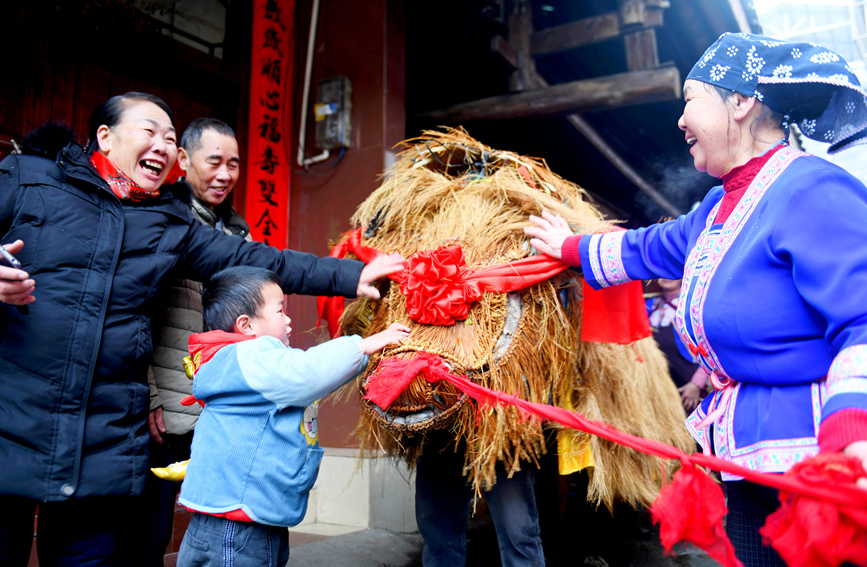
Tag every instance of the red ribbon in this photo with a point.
(440, 288)
(691, 507)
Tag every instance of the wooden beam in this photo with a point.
(575, 34)
(585, 129)
(519, 22)
(501, 47)
(580, 124)
(613, 91)
(589, 31)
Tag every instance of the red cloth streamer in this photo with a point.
(614, 314)
(331, 308)
(393, 375)
(689, 507)
(440, 289)
(809, 532)
(526, 175)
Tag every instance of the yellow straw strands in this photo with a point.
(448, 189)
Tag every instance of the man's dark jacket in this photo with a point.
(73, 371)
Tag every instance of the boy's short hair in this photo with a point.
(233, 292)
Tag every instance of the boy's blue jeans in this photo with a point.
(217, 542)
(442, 496)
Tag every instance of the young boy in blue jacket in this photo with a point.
(255, 454)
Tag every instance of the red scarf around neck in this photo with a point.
(203, 346)
(121, 185)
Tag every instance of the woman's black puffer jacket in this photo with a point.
(73, 370)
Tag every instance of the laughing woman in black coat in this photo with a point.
(97, 238)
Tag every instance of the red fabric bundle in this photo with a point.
(811, 532)
(614, 314)
(691, 509)
(331, 308)
(393, 375)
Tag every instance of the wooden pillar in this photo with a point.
(520, 29)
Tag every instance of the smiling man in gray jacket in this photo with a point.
(211, 163)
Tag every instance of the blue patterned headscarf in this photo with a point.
(811, 86)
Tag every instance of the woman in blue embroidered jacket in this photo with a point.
(773, 265)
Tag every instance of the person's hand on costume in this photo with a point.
(16, 287)
(378, 268)
(859, 449)
(690, 395)
(156, 425)
(548, 234)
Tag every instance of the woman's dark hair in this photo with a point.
(767, 114)
(234, 292)
(110, 111)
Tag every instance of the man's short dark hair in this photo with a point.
(191, 141)
(234, 292)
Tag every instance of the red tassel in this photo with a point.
(691, 509)
(809, 532)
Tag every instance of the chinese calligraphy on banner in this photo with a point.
(267, 199)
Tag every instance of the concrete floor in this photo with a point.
(573, 533)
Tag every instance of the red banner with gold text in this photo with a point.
(267, 198)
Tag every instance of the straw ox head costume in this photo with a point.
(481, 306)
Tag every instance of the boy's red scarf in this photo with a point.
(203, 347)
(121, 185)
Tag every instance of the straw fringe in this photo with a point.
(448, 189)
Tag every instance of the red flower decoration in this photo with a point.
(436, 289)
(810, 532)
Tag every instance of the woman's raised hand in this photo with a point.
(379, 267)
(548, 234)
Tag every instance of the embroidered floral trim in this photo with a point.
(848, 386)
(848, 372)
(775, 455)
(711, 247)
(605, 261)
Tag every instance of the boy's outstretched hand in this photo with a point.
(394, 334)
(379, 267)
